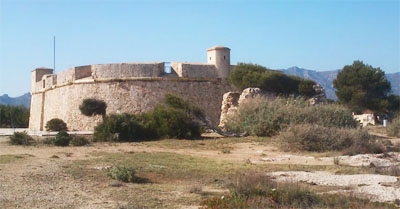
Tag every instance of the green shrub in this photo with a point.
(79, 141)
(393, 128)
(176, 119)
(125, 174)
(123, 128)
(62, 139)
(170, 122)
(56, 124)
(267, 117)
(316, 138)
(91, 107)
(21, 138)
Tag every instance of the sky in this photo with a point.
(317, 35)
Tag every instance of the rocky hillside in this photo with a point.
(24, 100)
(325, 78)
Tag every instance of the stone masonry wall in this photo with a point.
(194, 70)
(126, 70)
(131, 95)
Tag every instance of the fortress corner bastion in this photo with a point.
(128, 87)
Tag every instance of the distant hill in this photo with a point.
(325, 78)
(24, 100)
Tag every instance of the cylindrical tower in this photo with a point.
(220, 57)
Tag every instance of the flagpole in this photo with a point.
(54, 54)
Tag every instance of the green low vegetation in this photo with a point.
(62, 139)
(319, 128)
(174, 119)
(11, 158)
(268, 117)
(56, 124)
(317, 138)
(21, 138)
(125, 174)
(261, 191)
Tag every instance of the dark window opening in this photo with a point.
(224, 57)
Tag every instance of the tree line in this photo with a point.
(14, 116)
(246, 75)
(358, 86)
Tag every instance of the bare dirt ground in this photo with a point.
(36, 176)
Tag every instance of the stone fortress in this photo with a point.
(128, 87)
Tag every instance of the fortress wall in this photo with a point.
(123, 70)
(36, 109)
(83, 72)
(49, 81)
(38, 86)
(194, 70)
(133, 96)
(66, 76)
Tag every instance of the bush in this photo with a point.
(125, 174)
(56, 124)
(267, 117)
(62, 139)
(79, 141)
(123, 128)
(393, 128)
(21, 138)
(91, 107)
(170, 122)
(307, 137)
(176, 119)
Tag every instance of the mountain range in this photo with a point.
(325, 78)
(24, 100)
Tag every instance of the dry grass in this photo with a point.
(11, 158)
(174, 179)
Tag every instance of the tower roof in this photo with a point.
(218, 47)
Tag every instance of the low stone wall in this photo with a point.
(131, 95)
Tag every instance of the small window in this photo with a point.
(224, 57)
(44, 83)
(210, 58)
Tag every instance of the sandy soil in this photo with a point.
(39, 180)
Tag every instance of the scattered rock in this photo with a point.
(103, 167)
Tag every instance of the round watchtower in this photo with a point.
(220, 57)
